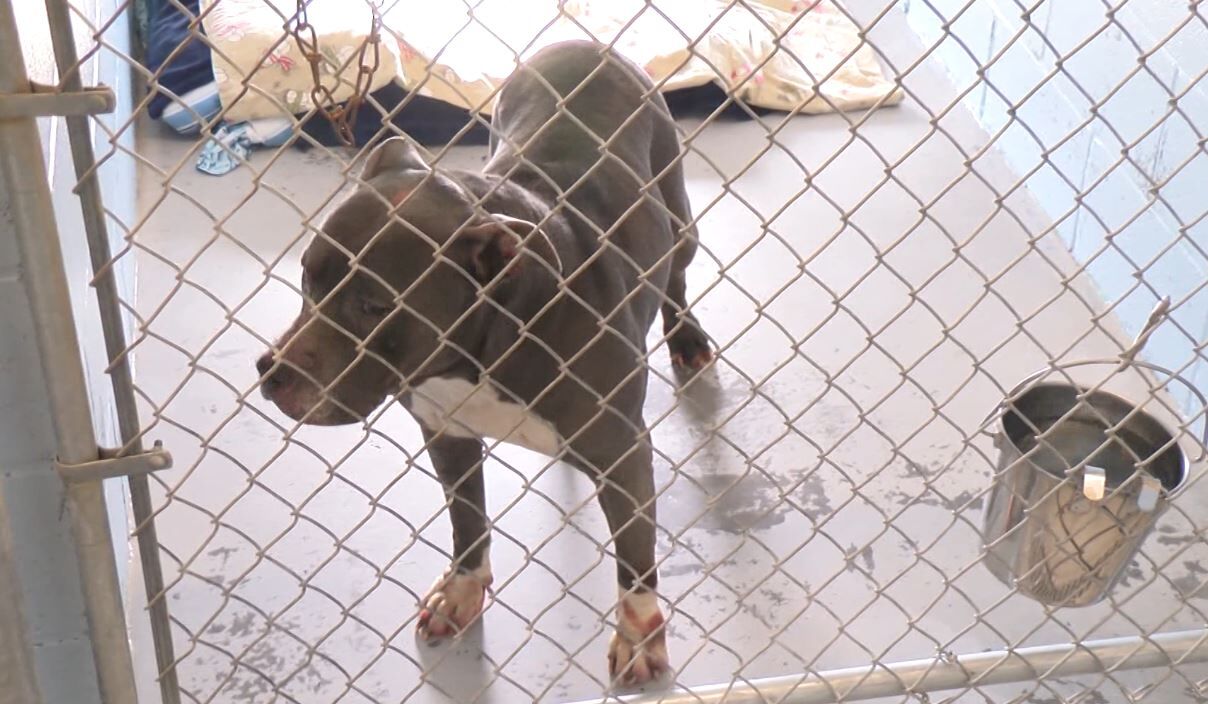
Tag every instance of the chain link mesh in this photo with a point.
(875, 282)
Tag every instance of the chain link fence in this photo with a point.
(896, 221)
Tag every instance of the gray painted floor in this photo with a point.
(820, 503)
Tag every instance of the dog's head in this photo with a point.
(393, 288)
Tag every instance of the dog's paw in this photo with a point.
(638, 651)
(689, 347)
(453, 602)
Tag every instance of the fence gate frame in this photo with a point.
(82, 464)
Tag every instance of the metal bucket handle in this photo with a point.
(1095, 478)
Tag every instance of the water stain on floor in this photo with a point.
(725, 501)
(1192, 585)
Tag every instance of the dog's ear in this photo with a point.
(395, 154)
(486, 249)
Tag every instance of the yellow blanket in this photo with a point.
(803, 56)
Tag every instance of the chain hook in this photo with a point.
(1156, 316)
(341, 116)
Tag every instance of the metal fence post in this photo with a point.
(944, 672)
(23, 176)
(84, 159)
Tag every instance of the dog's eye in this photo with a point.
(375, 309)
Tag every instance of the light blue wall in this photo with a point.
(1065, 96)
(42, 543)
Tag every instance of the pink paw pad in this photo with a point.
(638, 651)
(453, 603)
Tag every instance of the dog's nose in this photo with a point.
(273, 379)
(265, 363)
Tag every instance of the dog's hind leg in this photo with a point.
(457, 597)
(687, 342)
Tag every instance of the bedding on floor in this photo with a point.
(444, 66)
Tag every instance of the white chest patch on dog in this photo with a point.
(466, 410)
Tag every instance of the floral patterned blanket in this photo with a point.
(791, 55)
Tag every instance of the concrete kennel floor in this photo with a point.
(811, 522)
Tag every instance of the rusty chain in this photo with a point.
(341, 117)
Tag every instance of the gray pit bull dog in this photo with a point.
(513, 304)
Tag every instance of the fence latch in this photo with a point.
(109, 465)
(44, 101)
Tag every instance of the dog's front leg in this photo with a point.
(457, 597)
(638, 651)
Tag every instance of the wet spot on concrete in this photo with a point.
(964, 501)
(1175, 539)
(775, 598)
(244, 686)
(277, 665)
(223, 553)
(243, 624)
(672, 570)
(1132, 572)
(1192, 585)
(1169, 535)
(813, 499)
(726, 502)
(865, 555)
